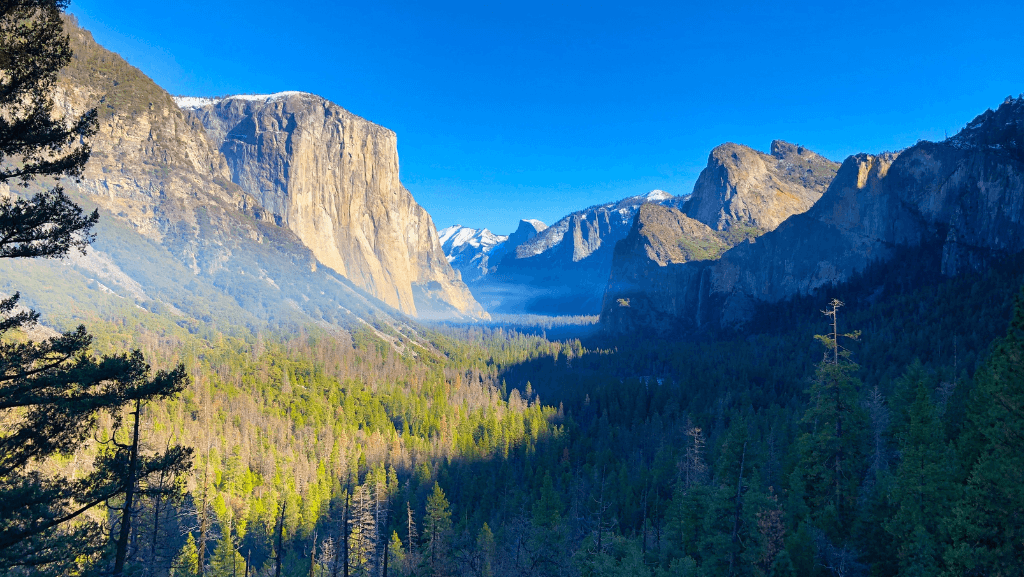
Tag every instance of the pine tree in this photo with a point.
(436, 523)
(921, 491)
(826, 477)
(186, 564)
(485, 548)
(398, 551)
(411, 537)
(52, 391)
(547, 511)
(987, 525)
(363, 538)
(226, 561)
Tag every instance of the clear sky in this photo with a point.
(535, 109)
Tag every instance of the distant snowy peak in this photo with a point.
(445, 234)
(537, 225)
(468, 250)
(631, 201)
(657, 195)
(457, 236)
(193, 102)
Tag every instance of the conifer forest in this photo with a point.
(845, 432)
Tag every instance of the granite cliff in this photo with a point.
(739, 196)
(331, 178)
(177, 234)
(962, 197)
(527, 230)
(742, 186)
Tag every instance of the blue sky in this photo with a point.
(535, 109)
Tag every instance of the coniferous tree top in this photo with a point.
(33, 48)
(34, 142)
(51, 392)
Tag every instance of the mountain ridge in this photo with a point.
(964, 195)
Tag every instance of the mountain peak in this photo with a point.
(656, 195)
(999, 129)
(530, 225)
(744, 186)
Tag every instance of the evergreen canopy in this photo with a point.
(52, 391)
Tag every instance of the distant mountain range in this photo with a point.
(565, 269)
(961, 199)
(762, 228)
(256, 210)
(556, 270)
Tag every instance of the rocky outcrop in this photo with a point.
(527, 230)
(647, 264)
(331, 178)
(964, 195)
(664, 235)
(175, 231)
(662, 266)
(564, 268)
(743, 186)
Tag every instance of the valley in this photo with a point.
(802, 367)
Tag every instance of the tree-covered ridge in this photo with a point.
(665, 459)
(889, 447)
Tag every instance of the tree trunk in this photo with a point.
(280, 541)
(739, 507)
(344, 532)
(312, 556)
(129, 497)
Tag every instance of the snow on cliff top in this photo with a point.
(199, 102)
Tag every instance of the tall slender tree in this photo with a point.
(52, 391)
(830, 445)
(436, 523)
(921, 491)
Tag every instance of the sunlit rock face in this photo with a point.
(963, 196)
(743, 186)
(331, 178)
(175, 224)
(661, 267)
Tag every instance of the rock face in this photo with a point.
(964, 195)
(743, 186)
(563, 269)
(331, 178)
(527, 230)
(178, 233)
(739, 196)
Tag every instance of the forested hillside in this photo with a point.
(493, 453)
(161, 421)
